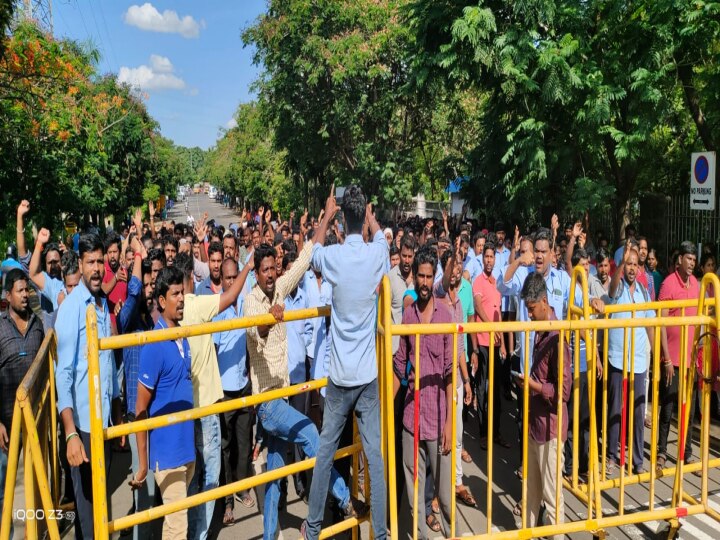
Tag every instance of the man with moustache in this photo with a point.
(21, 335)
(436, 393)
(71, 378)
(213, 283)
(267, 347)
(681, 285)
(164, 386)
(625, 289)
(115, 280)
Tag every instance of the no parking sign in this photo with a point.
(702, 181)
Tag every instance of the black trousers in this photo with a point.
(482, 387)
(584, 432)
(668, 403)
(236, 431)
(82, 486)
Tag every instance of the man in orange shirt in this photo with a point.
(488, 302)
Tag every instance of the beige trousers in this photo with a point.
(541, 482)
(173, 485)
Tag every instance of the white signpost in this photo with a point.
(702, 181)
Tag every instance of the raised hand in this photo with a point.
(137, 220)
(516, 239)
(151, 209)
(23, 208)
(577, 230)
(261, 212)
(331, 206)
(43, 237)
(292, 214)
(268, 215)
(444, 215)
(582, 239)
(554, 223)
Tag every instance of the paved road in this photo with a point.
(506, 487)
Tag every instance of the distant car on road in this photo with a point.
(212, 193)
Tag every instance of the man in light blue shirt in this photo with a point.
(72, 381)
(625, 289)
(538, 250)
(354, 269)
(236, 425)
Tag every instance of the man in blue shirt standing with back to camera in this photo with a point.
(354, 269)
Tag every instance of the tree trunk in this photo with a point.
(692, 100)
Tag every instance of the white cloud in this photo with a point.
(160, 64)
(158, 76)
(232, 123)
(147, 17)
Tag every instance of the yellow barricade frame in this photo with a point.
(35, 423)
(579, 320)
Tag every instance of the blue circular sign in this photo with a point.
(702, 169)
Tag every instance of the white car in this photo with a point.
(212, 193)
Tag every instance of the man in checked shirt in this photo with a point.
(267, 348)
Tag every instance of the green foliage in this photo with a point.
(72, 142)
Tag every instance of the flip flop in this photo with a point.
(228, 518)
(465, 456)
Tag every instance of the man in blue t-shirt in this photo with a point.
(165, 386)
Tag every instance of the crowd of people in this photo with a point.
(149, 276)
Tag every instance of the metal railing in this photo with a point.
(35, 423)
(99, 434)
(582, 320)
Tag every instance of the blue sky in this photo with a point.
(186, 56)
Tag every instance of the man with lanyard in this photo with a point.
(21, 335)
(681, 285)
(71, 377)
(236, 425)
(625, 289)
(267, 347)
(354, 269)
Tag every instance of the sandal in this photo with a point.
(519, 472)
(465, 456)
(228, 518)
(517, 509)
(660, 464)
(463, 493)
(246, 500)
(433, 523)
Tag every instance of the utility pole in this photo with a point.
(38, 11)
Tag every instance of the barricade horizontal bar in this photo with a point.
(661, 304)
(645, 477)
(544, 326)
(114, 432)
(590, 525)
(708, 510)
(344, 525)
(34, 372)
(154, 336)
(222, 491)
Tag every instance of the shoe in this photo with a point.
(356, 508)
(303, 529)
(610, 466)
(639, 470)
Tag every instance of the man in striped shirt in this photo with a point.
(267, 348)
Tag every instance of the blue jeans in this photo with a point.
(207, 474)
(144, 498)
(340, 402)
(3, 475)
(283, 424)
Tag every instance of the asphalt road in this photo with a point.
(506, 487)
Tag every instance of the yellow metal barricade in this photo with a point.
(99, 434)
(582, 323)
(35, 423)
